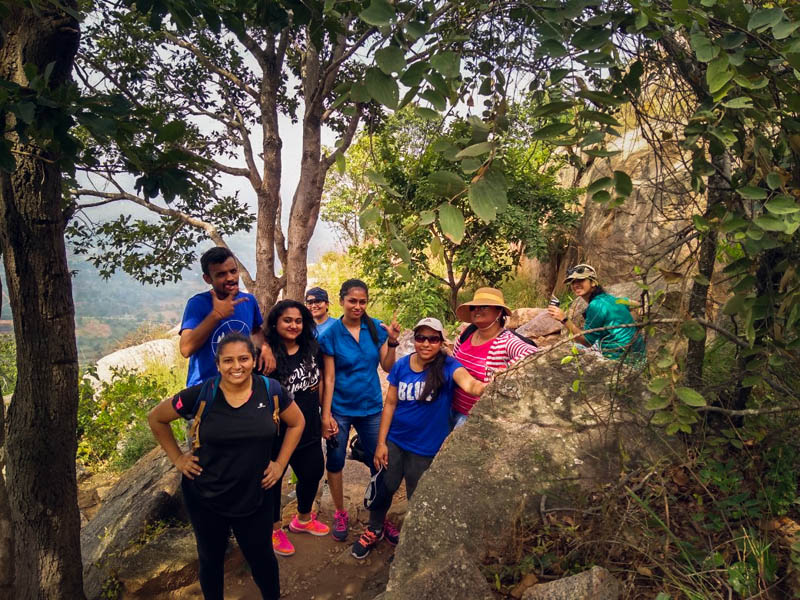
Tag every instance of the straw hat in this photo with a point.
(485, 296)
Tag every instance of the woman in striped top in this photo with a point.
(489, 348)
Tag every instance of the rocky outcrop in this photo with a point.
(595, 584)
(529, 436)
(145, 492)
(137, 358)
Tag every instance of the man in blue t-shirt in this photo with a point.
(209, 316)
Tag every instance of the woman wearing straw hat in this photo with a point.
(602, 310)
(489, 348)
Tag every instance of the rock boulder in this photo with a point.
(595, 584)
(147, 491)
(530, 435)
(136, 358)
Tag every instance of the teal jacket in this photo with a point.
(605, 311)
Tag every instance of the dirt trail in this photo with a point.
(321, 568)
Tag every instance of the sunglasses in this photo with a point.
(433, 339)
(579, 270)
(480, 307)
(312, 302)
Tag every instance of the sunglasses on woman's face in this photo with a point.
(433, 339)
(314, 302)
(481, 307)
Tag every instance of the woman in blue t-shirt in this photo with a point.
(415, 421)
(352, 349)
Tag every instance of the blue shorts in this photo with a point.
(367, 429)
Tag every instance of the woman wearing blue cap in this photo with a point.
(415, 421)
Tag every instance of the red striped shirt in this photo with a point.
(481, 361)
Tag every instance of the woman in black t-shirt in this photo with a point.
(290, 335)
(234, 462)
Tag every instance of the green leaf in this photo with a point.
(550, 131)
(765, 17)
(774, 181)
(451, 220)
(690, 397)
(599, 117)
(576, 385)
(447, 63)
(784, 29)
(551, 108)
(601, 98)
(662, 418)
(567, 359)
(622, 183)
(376, 177)
(768, 223)
(369, 217)
(487, 195)
(401, 249)
(436, 246)
(591, 39)
(446, 183)
(703, 48)
(26, 111)
(717, 73)
(749, 192)
(426, 217)
(414, 75)
(435, 98)
(601, 196)
(658, 384)
(693, 330)
(171, 131)
(341, 163)
(416, 30)
(390, 59)
(740, 102)
(478, 149)
(599, 184)
(359, 93)
(427, 113)
(379, 13)
(782, 205)
(382, 88)
(656, 403)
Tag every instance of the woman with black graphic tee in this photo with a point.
(291, 337)
(228, 475)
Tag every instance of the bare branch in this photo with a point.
(238, 171)
(346, 140)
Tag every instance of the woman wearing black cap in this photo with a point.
(317, 302)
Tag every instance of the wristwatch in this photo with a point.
(392, 344)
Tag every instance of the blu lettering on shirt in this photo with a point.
(420, 425)
(245, 319)
(357, 391)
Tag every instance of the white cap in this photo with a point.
(434, 324)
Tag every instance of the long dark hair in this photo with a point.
(434, 379)
(308, 346)
(365, 318)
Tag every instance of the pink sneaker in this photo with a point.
(281, 544)
(313, 526)
(341, 522)
(390, 533)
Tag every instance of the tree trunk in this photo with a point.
(42, 442)
(6, 526)
(698, 297)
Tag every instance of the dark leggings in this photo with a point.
(402, 465)
(254, 535)
(308, 464)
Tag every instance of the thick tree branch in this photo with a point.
(209, 64)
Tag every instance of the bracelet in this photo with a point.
(392, 344)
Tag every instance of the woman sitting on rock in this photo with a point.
(415, 420)
(229, 470)
(291, 338)
(489, 348)
(603, 310)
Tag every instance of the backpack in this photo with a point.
(206, 397)
(472, 328)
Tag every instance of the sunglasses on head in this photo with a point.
(433, 339)
(579, 270)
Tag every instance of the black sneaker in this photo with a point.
(368, 540)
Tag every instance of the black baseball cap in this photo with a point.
(317, 293)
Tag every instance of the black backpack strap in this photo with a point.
(471, 328)
(524, 339)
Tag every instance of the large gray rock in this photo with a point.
(137, 358)
(163, 564)
(145, 492)
(595, 584)
(530, 435)
(540, 326)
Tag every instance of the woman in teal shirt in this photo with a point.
(603, 310)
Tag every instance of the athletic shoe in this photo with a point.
(281, 544)
(368, 540)
(341, 521)
(313, 526)
(390, 532)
